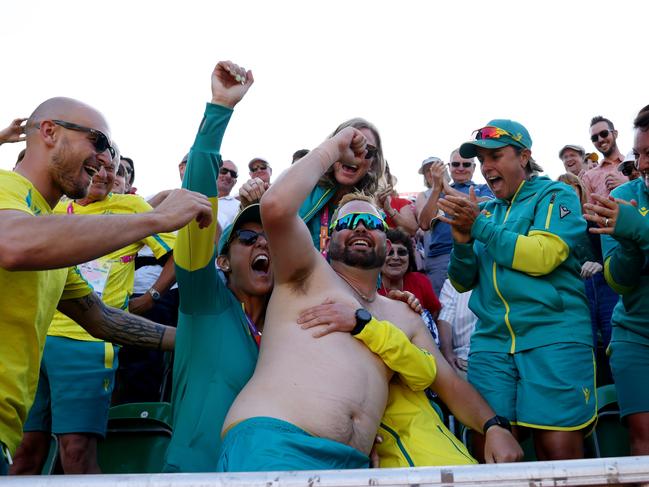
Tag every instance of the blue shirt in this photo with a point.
(438, 239)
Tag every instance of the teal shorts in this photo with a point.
(630, 366)
(550, 387)
(267, 444)
(75, 385)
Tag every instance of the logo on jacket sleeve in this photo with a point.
(563, 211)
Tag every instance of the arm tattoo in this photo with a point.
(127, 329)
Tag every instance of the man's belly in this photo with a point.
(332, 387)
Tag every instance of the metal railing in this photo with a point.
(600, 471)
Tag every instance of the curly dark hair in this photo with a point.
(642, 119)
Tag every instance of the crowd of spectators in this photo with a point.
(275, 311)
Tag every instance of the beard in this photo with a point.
(65, 173)
(363, 260)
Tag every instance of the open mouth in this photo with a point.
(261, 264)
(349, 169)
(359, 243)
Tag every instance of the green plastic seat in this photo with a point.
(137, 437)
(52, 457)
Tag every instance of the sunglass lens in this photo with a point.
(247, 237)
(371, 151)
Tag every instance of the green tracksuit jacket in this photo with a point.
(523, 267)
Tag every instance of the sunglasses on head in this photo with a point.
(248, 237)
(351, 221)
(603, 134)
(98, 139)
(225, 170)
(463, 164)
(371, 151)
(490, 132)
(400, 252)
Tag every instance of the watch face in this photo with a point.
(363, 315)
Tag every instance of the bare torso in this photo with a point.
(332, 387)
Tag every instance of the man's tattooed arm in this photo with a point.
(117, 326)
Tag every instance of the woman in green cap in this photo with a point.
(531, 353)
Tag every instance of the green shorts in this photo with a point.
(630, 366)
(74, 387)
(550, 387)
(264, 444)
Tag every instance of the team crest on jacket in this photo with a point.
(563, 211)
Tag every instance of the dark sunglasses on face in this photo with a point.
(399, 252)
(248, 237)
(225, 170)
(463, 164)
(121, 171)
(371, 151)
(603, 134)
(258, 168)
(351, 221)
(98, 139)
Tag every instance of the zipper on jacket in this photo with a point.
(399, 444)
(550, 208)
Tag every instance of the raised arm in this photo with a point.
(194, 252)
(293, 254)
(427, 209)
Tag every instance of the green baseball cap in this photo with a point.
(250, 213)
(496, 134)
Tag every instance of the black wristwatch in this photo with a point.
(497, 421)
(363, 317)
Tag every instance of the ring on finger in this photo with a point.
(606, 222)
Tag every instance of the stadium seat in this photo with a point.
(52, 457)
(610, 438)
(136, 438)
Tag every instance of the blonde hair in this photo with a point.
(370, 182)
(573, 181)
(353, 196)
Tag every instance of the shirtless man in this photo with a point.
(306, 392)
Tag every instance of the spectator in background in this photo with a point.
(259, 168)
(182, 165)
(601, 298)
(573, 158)
(520, 253)
(605, 177)
(77, 370)
(628, 167)
(228, 204)
(437, 239)
(299, 154)
(400, 212)
(456, 323)
(342, 179)
(399, 272)
(624, 227)
(129, 173)
(592, 160)
(119, 186)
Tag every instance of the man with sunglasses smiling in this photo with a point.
(64, 138)
(604, 178)
(228, 204)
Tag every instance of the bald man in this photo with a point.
(64, 138)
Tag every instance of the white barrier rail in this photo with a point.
(600, 471)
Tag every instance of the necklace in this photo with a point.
(360, 294)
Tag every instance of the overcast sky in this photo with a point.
(425, 73)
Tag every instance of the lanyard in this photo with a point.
(324, 230)
(256, 334)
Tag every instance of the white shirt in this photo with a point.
(228, 209)
(455, 310)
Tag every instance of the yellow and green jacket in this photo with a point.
(523, 266)
(626, 264)
(413, 433)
